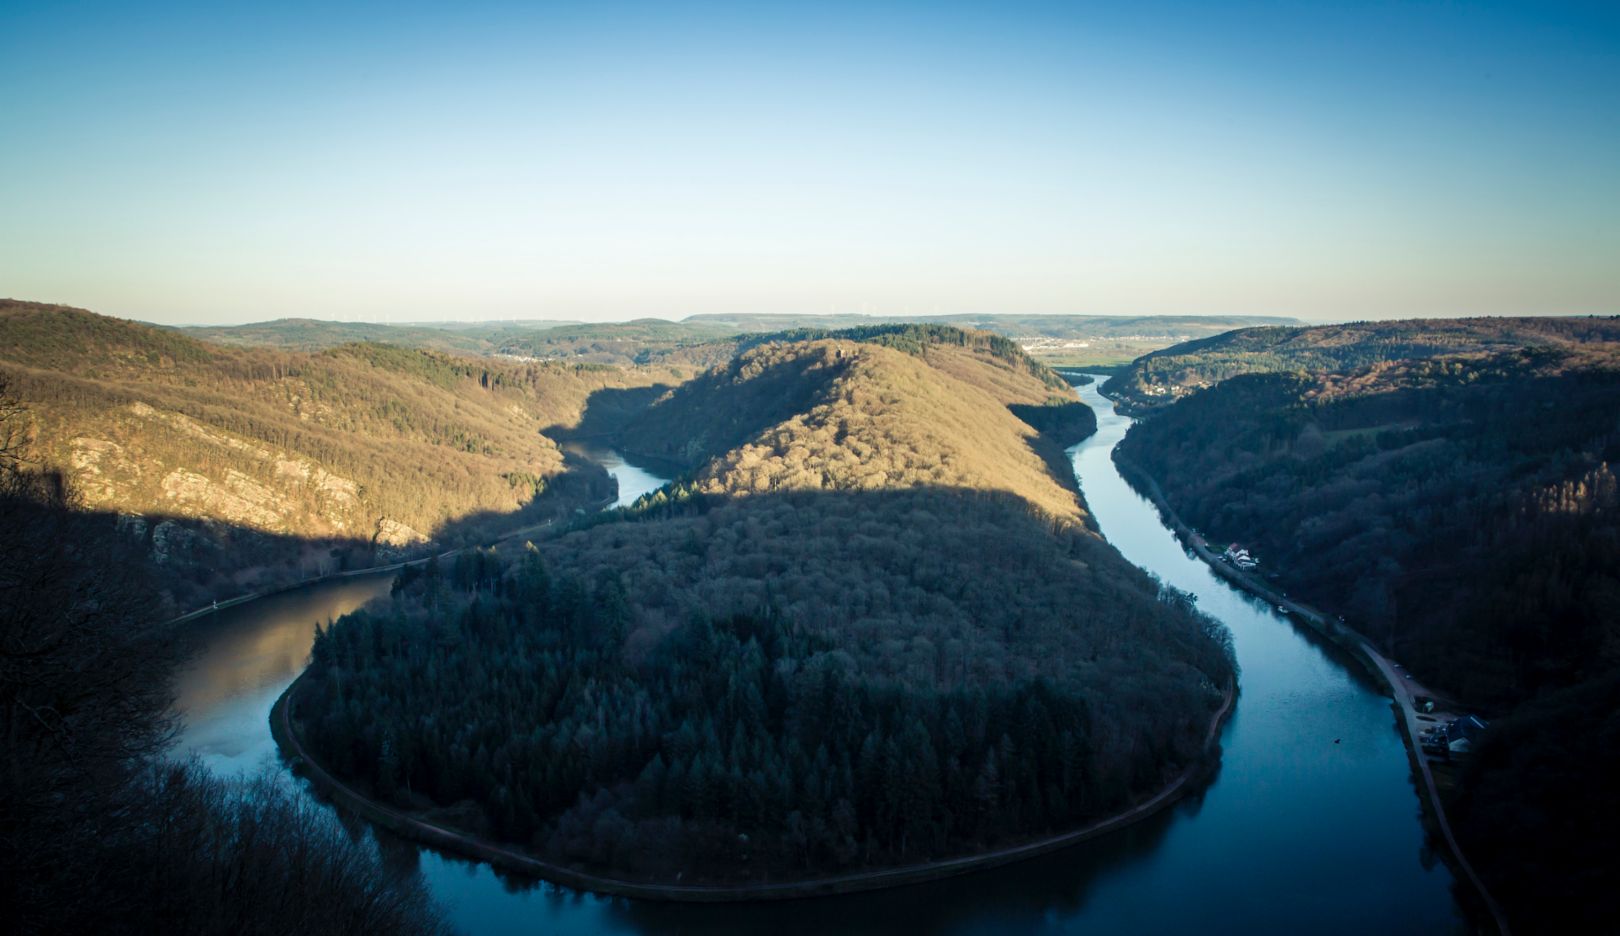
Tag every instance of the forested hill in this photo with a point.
(872, 632)
(226, 451)
(1464, 514)
(1158, 379)
(869, 409)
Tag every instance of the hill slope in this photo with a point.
(1158, 379)
(361, 444)
(1464, 513)
(905, 407)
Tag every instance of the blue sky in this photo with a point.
(195, 163)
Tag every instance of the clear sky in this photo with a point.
(227, 163)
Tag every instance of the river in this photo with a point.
(1310, 824)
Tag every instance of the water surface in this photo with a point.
(633, 481)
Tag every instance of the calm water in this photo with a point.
(1294, 834)
(633, 481)
(252, 653)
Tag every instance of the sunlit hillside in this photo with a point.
(362, 443)
(910, 406)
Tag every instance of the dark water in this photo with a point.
(1294, 833)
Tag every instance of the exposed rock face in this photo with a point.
(239, 500)
(161, 467)
(396, 534)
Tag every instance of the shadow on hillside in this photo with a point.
(673, 433)
(978, 570)
(1060, 426)
(584, 486)
(194, 562)
(182, 563)
(708, 415)
(606, 413)
(191, 563)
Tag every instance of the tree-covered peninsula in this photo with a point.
(872, 627)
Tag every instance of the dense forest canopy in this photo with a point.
(1463, 512)
(873, 629)
(1158, 379)
(362, 444)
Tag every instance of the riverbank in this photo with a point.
(1360, 649)
(283, 727)
(530, 530)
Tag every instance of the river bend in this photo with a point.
(1311, 823)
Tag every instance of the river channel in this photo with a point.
(1311, 824)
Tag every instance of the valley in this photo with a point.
(861, 626)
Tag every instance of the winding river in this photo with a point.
(1311, 823)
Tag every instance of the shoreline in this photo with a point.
(283, 730)
(533, 528)
(1376, 665)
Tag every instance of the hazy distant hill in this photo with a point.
(1162, 377)
(1463, 512)
(1061, 340)
(1011, 325)
(359, 444)
(873, 628)
(642, 341)
(316, 335)
(703, 341)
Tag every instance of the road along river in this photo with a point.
(1310, 824)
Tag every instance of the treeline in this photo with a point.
(1463, 513)
(564, 710)
(1158, 379)
(98, 833)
